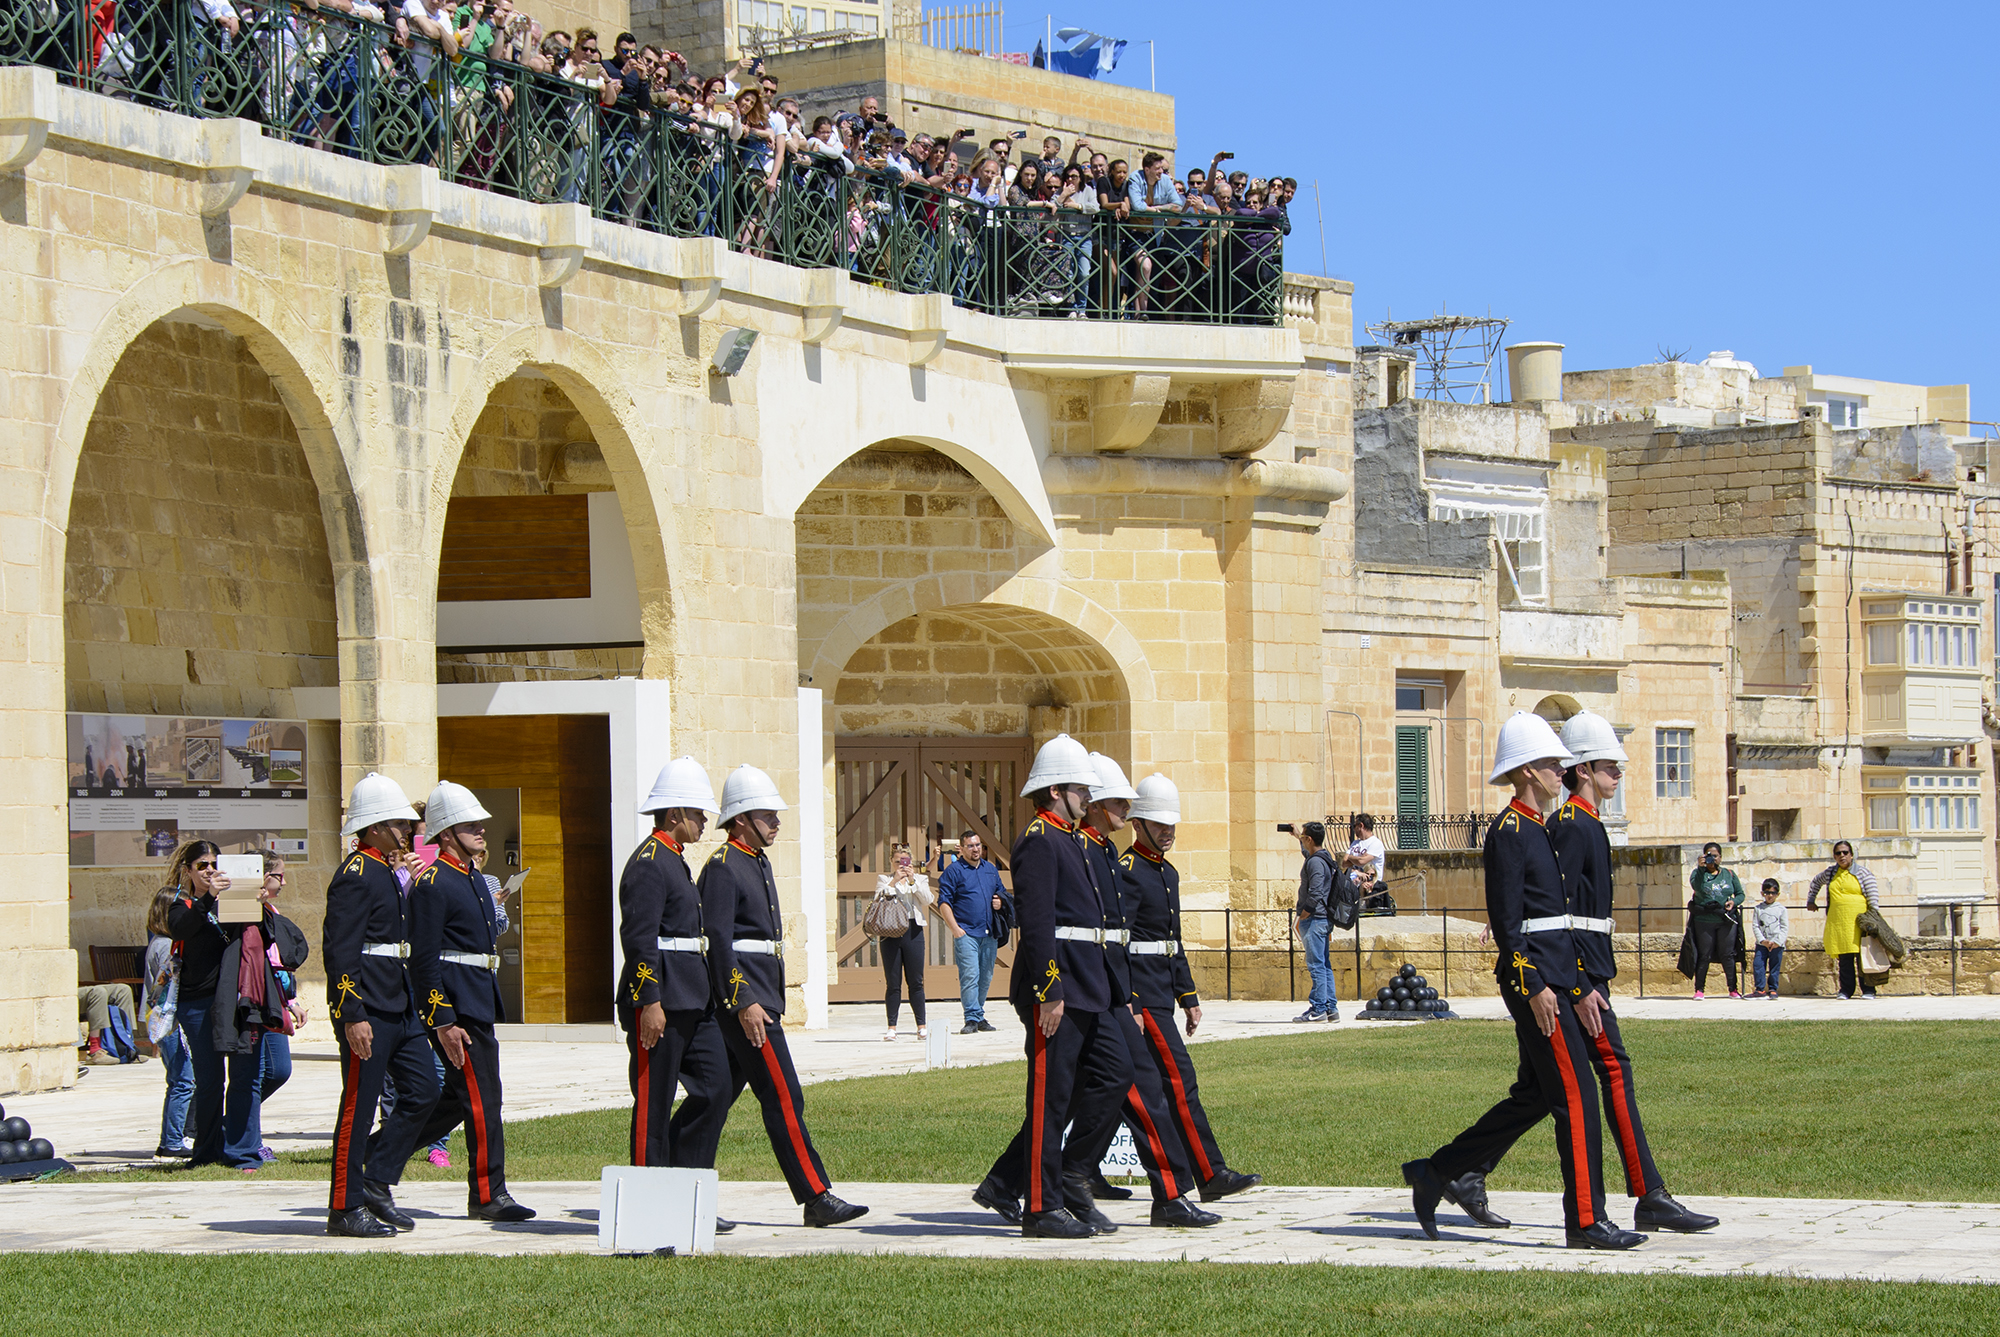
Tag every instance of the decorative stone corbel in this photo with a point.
(415, 195)
(826, 304)
(1251, 413)
(927, 337)
(1124, 410)
(234, 151)
(27, 110)
(704, 260)
(565, 238)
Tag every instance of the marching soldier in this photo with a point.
(1062, 991)
(746, 972)
(455, 967)
(1161, 979)
(1583, 850)
(1143, 1103)
(1545, 990)
(663, 999)
(365, 944)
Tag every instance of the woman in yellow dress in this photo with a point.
(1850, 889)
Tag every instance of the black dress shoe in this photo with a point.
(382, 1201)
(1227, 1181)
(969, 1028)
(503, 1208)
(992, 1196)
(1468, 1194)
(827, 1210)
(1602, 1235)
(1425, 1193)
(1090, 1215)
(1100, 1187)
(723, 1227)
(988, 1026)
(1181, 1212)
(358, 1223)
(1658, 1211)
(1056, 1225)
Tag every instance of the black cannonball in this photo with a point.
(1409, 971)
(1420, 981)
(1384, 993)
(15, 1129)
(1400, 995)
(1431, 994)
(1405, 1005)
(3, 1112)
(1374, 1005)
(24, 1150)
(6, 1152)
(41, 1149)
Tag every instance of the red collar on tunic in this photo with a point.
(671, 843)
(380, 857)
(1525, 811)
(741, 846)
(453, 860)
(1094, 836)
(1584, 803)
(1060, 824)
(1147, 852)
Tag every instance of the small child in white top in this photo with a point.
(1770, 925)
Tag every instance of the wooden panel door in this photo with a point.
(917, 792)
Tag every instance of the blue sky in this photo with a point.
(1801, 183)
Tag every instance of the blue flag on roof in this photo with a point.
(1080, 52)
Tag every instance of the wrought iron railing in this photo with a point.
(383, 93)
(1425, 831)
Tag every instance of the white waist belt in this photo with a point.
(1121, 936)
(1168, 948)
(759, 946)
(471, 959)
(1067, 933)
(685, 944)
(385, 949)
(1551, 923)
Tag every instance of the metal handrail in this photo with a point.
(375, 91)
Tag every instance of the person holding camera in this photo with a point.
(904, 956)
(1315, 896)
(1715, 918)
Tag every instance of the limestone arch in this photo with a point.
(283, 344)
(1556, 708)
(594, 387)
(1026, 503)
(960, 590)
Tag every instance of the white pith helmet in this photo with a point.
(376, 798)
(1110, 782)
(1062, 761)
(1525, 737)
(1590, 737)
(1159, 801)
(682, 783)
(749, 790)
(448, 805)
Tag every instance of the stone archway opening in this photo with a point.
(198, 596)
(1557, 708)
(538, 605)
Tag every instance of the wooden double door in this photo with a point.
(918, 792)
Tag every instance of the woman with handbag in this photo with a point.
(904, 894)
(1850, 889)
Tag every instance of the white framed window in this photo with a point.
(1842, 412)
(1882, 644)
(1673, 763)
(1883, 814)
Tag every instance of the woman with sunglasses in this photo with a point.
(905, 955)
(1850, 888)
(225, 1085)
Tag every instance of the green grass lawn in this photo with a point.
(1837, 1109)
(826, 1295)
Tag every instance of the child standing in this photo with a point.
(163, 971)
(1770, 924)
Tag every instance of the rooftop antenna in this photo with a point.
(1320, 211)
(1456, 352)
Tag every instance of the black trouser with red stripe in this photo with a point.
(1183, 1093)
(1143, 1104)
(688, 1052)
(1086, 1053)
(776, 1084)
(1558, 1065)
(398, 1047)
(471, 1097)
(1621, 1102)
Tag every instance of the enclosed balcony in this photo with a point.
(1941, 807)
(1921, 680)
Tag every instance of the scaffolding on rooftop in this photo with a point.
(1456, 352)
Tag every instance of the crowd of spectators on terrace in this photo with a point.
(481, 91)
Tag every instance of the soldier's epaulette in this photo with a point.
(429, 875)
(1510, 821)
(1036, 827)
(1125, 861)
(720, 851)
(646, 850)
(354, 864)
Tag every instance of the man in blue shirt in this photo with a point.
(968, 893)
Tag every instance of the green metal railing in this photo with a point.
(331, 80)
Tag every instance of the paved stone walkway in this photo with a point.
(1758, 1236)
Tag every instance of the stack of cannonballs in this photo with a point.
(19, 1146)
(1408, 997)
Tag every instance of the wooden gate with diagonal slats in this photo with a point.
(918, 791)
